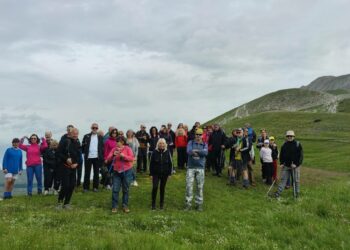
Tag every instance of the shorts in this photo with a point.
(239, 165)
(12, 176)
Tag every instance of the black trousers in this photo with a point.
(156, 180)
(48, 176)
(79, 172)
(96, 164)
(267, 169)
(181, 157)
(68, 183)
(142, 160)
(216, 161)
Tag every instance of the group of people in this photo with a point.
(119, 158)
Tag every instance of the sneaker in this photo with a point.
(135, 184)
(67, 207)
(40, 192)
(95, 190)
(108, 187)
(85, 190)
(153, 208)
(114, 210)
(46, 192)
(126, 210)
(55, 192)
(174, 172)
(59, 206)
(30, 194)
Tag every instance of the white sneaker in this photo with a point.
(46, 192)
(108, 187)
(135, 184)
(55, 192)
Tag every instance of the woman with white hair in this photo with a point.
(161, 168)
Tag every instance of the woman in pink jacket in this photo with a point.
(109, 144)
(122, 159)
(33, 163)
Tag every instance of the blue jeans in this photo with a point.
(121, 180)
(38, 172)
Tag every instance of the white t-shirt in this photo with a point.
(266, 155)
(93, 149)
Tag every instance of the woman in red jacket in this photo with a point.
(122, 158)
(181, 144)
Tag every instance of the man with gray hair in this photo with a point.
(291, 158)
(92, 147)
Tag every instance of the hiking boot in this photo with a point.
(114, 210)
(199, 208)
(187, 207)
(276, 195)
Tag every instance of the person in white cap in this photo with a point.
(267, 161)
(291, 158)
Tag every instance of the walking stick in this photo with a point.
(294, 186)
(273, 183)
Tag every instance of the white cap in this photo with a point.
(290, 133)
(266, 142)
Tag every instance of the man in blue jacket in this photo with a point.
(197, 150)
(12, 167)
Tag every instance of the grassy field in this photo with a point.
(233, 218)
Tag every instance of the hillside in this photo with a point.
(326, 83)
(290, 100)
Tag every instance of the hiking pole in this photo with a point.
(293, 182)
(273, 183)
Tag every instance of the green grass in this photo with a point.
(233, 218)
(344, 106)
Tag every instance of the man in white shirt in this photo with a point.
(92, 147)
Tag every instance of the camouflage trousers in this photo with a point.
(192, 175)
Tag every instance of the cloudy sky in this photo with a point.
(126, 62)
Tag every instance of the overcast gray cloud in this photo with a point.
(127, 62)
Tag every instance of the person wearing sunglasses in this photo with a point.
(197, 151)
(34, 165)
(291, 158)
(92, 147)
